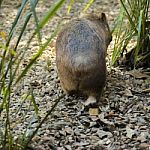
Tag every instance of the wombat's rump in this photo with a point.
(80, 55)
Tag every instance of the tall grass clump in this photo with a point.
(11, 57)
(133, 25)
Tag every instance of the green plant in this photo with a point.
(132, 24)
(72, 2)
(11, 58)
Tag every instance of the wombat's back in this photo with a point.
(80, 45)
(80, 56)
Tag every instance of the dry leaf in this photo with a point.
(102, 133)
(128, 93)
(112, 114)
(141, 138)
(130, 132)
(146, 90)
(93, 111)
(144, 146)
(137, 74)
(107, 122)
(3, 35)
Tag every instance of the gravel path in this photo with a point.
(123, 122)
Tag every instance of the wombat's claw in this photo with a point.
(91, 100)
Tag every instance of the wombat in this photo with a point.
(80, 55)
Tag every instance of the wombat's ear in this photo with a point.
(103, 17)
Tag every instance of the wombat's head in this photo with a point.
(102, 21)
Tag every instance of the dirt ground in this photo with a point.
(123, 122)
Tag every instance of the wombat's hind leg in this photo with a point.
(69, 88)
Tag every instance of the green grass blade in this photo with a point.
(129, 17)
(50, 13)
(88, 5)
(118, 33)
(11, 59)
(24, 99)
(138, 36)
(43, 120)
(16, 21)
(2, 63)
(70, 5)
(46, 18)
(33, 6)
(36, 56)
(28, 16)
(1, 3)
(32, 98)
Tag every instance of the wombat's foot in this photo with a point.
(69, 86)
(91, 100)
(68, 92)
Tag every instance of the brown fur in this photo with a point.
(80, 55)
